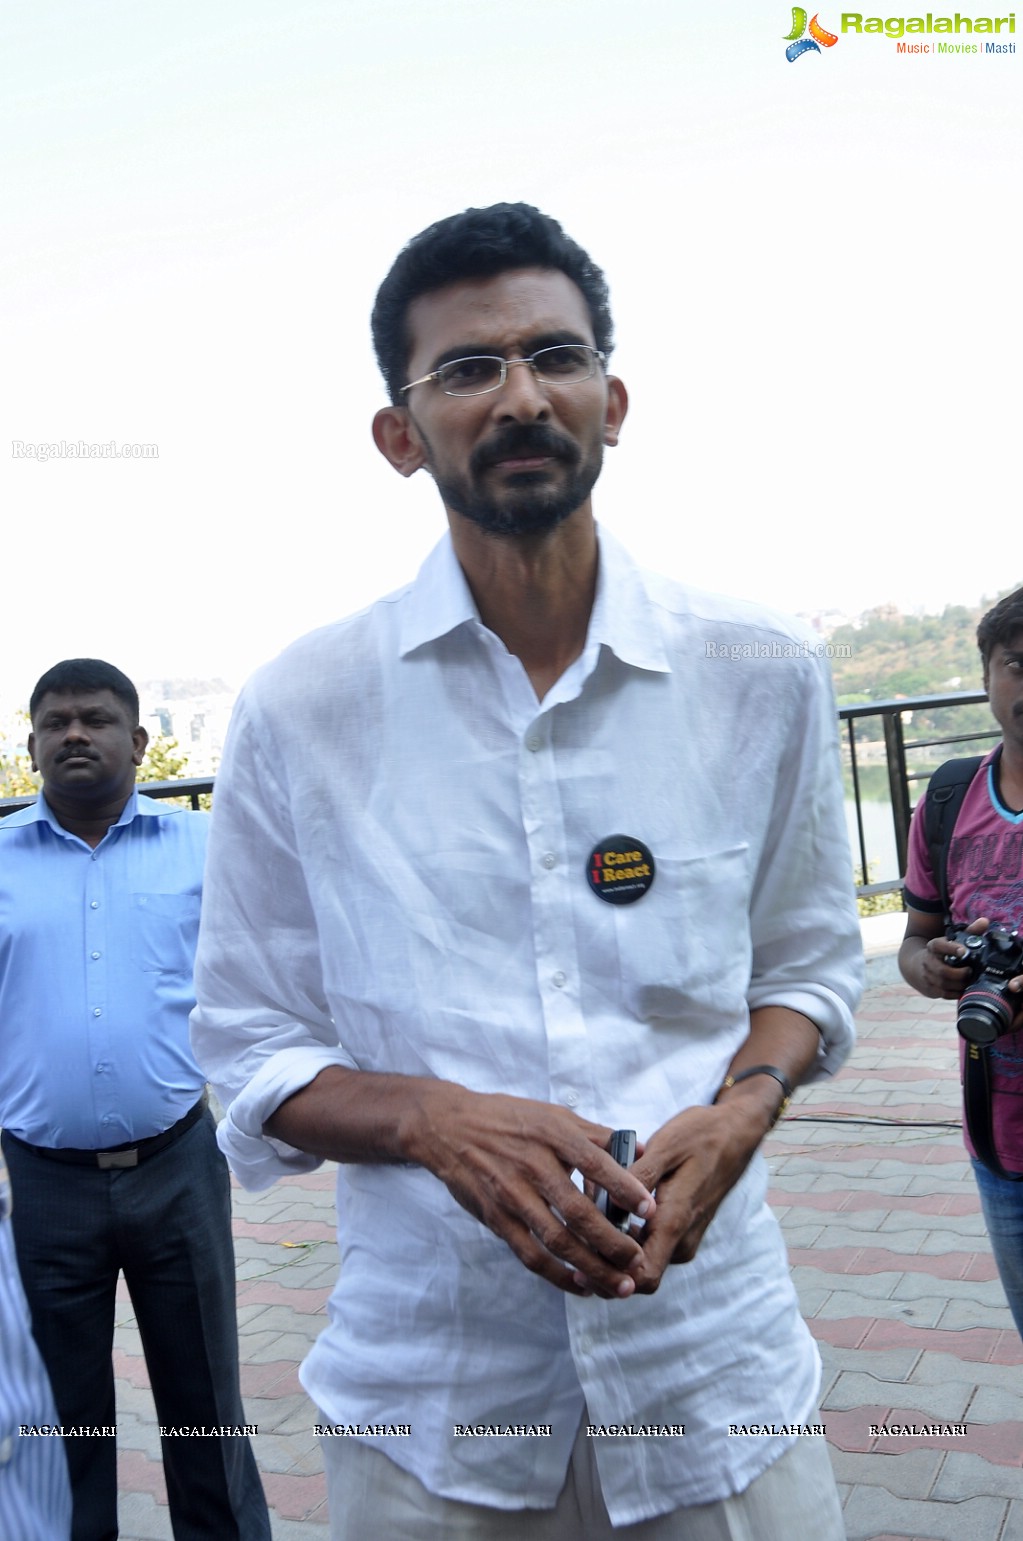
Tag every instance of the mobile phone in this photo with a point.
(623, 1149)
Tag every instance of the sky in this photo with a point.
(813, 271)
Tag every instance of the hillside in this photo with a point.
(908, 655)
(896, 655)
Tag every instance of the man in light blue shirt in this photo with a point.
(111, 1148)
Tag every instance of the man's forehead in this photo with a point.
(67, 702)
(478, 311)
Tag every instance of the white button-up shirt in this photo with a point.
(397, 882)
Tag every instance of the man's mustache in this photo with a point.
(75, 752)
(522, 441)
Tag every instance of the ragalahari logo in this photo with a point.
(797, 40)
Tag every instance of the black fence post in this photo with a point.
(898, 787)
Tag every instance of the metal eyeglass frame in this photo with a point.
(596, 357)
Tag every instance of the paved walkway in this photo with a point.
(888, 1252)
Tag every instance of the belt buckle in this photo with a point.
(105, 1159)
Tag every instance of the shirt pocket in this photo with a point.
(686, 943)
(165, 930)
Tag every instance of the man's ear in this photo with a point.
(617, 406)
(32, 750)
(140, 738)
(395, 436)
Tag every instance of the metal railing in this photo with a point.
(892, 735)
(892, 715)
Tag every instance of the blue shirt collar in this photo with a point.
(41, 813)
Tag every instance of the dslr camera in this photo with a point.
(986, 1006)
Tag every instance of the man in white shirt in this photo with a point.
(538, 848)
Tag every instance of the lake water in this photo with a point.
(879, 835)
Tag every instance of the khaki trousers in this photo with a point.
(368, 1495)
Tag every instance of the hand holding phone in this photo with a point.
(623, 1149)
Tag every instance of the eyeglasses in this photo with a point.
(566, 364)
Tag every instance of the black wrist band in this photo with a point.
(771, 1070)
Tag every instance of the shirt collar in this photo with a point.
(624, 617)
(438, 601)
(40, 812)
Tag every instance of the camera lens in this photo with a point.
(984, 1015)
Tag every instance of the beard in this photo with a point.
(529, 503)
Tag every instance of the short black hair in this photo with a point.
(83, 676)
(479, 243)
(1002, 622)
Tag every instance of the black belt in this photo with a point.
(127, 1155)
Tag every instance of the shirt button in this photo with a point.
(533, 744)
(95, 955)
(101, 1067)
(558, 980)
(570, 1098)
(6, 1450)
(97, 1011)
(549, 860)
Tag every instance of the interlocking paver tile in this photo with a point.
(873, 1511)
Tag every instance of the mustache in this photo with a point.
(522, 439)
(75, 751)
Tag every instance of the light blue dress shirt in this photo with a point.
(96, 953)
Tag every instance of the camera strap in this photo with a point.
(977, 1103)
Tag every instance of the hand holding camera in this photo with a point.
(993, 959)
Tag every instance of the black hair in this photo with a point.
(83, 676)
(1001, 624)
(479, 243)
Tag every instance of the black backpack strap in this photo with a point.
(945, 792)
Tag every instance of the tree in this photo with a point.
(17, 778)
(163, 761)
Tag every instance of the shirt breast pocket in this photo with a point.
(165, 931)
(686, 943)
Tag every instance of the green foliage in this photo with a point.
(876, 904)
(165, 762)
(17, 778)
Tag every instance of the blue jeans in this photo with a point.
(1002, 1202)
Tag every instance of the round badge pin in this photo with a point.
(620, 869)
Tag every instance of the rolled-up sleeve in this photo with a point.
(261, 1029)
(807, 951)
